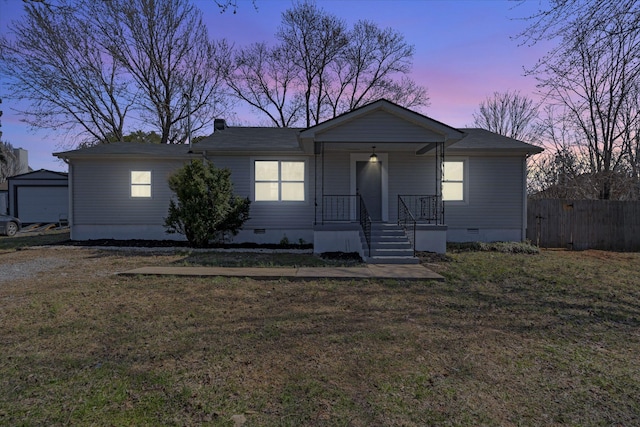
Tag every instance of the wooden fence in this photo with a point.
(584, 224)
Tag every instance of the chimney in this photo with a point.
(219, 124)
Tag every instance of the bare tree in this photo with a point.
(8, 161)
(265, 78)
(314, 38)
(56, 63)
(593, 74)
(510, 114)
(595, 81)
(562, 17)
(320, 69)
(87, 66)
(365, 70)
(558, 172)
(225, 5)
(165, 47)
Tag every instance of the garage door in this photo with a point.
(42, 204)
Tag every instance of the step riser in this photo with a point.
(391, 260)
(392, 253)
(399, 245)
(389, 245)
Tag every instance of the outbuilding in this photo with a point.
(40, 196)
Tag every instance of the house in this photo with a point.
(40, 196)
(378, 180)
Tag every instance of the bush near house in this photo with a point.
(206, 209)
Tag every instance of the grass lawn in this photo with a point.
(508, 339)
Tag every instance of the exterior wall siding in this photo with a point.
(101, 192)
(495, 201)
(103, 208)
(410, 175)
(108, 211)
(270, 215)
(378, 126)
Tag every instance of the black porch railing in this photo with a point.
(424, 208)
(407, 221)
(347, 208)
(365, 223)
(340, 208)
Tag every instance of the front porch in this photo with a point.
(346, 226)
(377, 182)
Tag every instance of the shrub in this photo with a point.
(504, 247)
(206, 208)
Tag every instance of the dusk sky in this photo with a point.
(464, 51)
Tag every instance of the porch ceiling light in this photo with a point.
(373, 158)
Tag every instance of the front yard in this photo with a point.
(508, 339)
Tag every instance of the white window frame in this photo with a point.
(134, 185)
(279, 180)
(464, 181)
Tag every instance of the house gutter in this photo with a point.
(524, 198)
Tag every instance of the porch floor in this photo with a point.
(368, 271)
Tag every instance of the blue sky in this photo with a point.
(464, 51)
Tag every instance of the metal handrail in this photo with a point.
(365, 222)
(405, 216)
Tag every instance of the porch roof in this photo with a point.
(382, 123)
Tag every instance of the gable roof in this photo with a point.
(477, 139)
(40, 174)
(391, 108)
(251, 140)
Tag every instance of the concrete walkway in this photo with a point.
(369, 271)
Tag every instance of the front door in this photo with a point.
(369, 186)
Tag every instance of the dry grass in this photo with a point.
(548, 339)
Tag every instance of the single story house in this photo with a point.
(40, 196)
(378, 180)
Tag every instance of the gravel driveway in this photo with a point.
(74, 263)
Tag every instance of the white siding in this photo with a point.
(102, 192)
(271, 215)
(495, 195)
(379, 126)
(409, 175)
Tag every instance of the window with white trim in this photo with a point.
(453, 181)
(279, 180)
(141, 184)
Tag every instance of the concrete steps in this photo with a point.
(389, 245)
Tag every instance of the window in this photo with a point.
(453, 181)
(277, 180)
(140, 183)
